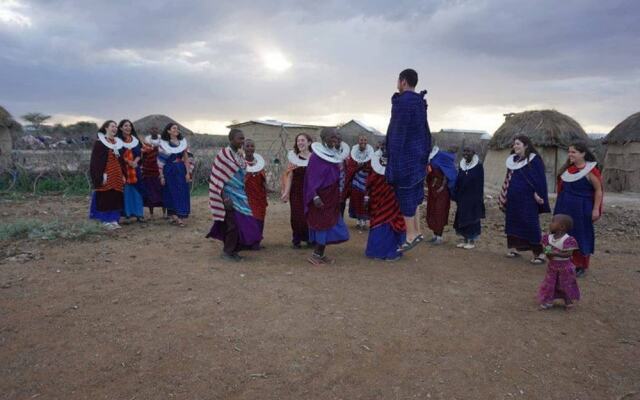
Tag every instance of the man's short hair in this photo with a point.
(233, 132)
(410, 76)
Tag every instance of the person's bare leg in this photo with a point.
(416, 224)
(411, 228)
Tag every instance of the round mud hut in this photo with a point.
(9, 128)
(550, 131)
(143, 125)
(622, 159)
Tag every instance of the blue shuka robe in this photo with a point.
(522, 214)
(469, 197)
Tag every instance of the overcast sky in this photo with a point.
(206, 63)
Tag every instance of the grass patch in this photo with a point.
(68, 184)
(34, 229)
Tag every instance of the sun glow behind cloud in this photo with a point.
(11, 14)
(275, 61)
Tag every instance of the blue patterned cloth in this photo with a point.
(359, 181)
(410, 198)
(133, 205)
(408, 140)
(102, 216)
(383, 242)
(234, 190)
(446, 162)
(576, 200)
(469, 196)
(175, 193)
(521, 216)
(336, 234)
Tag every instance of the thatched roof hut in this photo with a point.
(545, 128)
(9, 128)
(143, 125)
(622, 159)
(550, 131)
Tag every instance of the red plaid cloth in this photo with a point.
(132, 178)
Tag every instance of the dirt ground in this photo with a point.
(151, 312)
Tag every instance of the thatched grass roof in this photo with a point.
(143, 125)
(7, 121)
(626, 131)
(545, 128)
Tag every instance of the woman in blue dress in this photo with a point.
(523, 198)
(173, 159)
(580, 193)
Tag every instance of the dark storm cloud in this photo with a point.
(202, 59)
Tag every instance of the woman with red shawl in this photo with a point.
(580, 194)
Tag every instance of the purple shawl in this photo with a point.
(319, 175)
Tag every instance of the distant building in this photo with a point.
(354, 128)
(274, 138)
(455, 139)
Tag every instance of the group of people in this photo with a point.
(384, 188)
(129, 173)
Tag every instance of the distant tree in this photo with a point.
(36, 118)
(82, 128)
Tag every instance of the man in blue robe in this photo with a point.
(408, 147)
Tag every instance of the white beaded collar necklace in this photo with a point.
(258, 164)
(513, 165)
(296, 160)
(113, 146)
(327, 154)
(467, 166)
(569, 177)
(361, 156)
(133, 143)
(166, 147)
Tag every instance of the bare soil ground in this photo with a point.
(151, 312)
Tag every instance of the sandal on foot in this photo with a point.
(315, 259)
(512, 254)
(546, 306)
(231, 257)
(536, 261)
(406, 246)
(327, 260)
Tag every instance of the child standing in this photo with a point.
(560, 281)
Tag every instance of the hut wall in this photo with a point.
(6, 144)
(622, 167)
(274, 141)
(495, 169)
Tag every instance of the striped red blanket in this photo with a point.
(224, 166)
(383, 206)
